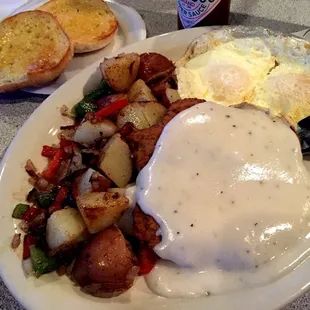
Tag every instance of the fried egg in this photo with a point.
(228, 73)
(286, 92)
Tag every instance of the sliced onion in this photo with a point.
(31, 169)
(15, 241)
(42, 184)
(27, 267)
(23, 226)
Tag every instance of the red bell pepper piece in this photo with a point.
(110, 109)
(29, 240)
(60, 197)
(31, 213)
(147, 260)
(54, 165)
(65, 143)
(49, 151)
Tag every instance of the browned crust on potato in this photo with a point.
(105, 265)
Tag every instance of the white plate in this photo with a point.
(51, 292)
(131, 29)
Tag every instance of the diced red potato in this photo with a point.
(140, 92)
(101, 210)
(132, 113)
(120, 72)
(153, 112)
(141, 114)
(172, 95)
(115, 161)
(65, 228)
(106, 266)
(165, 94)
(87, 132)
(154, 66)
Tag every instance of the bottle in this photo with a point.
(196, 13)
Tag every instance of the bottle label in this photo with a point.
(191, 12)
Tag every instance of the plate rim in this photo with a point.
(292, 295)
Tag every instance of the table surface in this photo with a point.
(160, 17)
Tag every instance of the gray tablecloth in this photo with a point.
(160, 17)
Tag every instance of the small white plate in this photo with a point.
(51, 292)
(304, 34)
(131, 29)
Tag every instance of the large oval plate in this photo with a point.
(51, 292)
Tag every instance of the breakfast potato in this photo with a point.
(140, 92)
(154, 66)
(65, 228)
(165, 92)
(172, 95)
(106, 266)
(132, 113)
(116, 162)
(141, 114)
(87, 133)
(120, 72)
(153, 112)
(101, 210)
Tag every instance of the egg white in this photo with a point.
(286, 92)
(228, 73)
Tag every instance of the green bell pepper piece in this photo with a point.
(40, 262)
(20, 210)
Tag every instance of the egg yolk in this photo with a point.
(228, 82)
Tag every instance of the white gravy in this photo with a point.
(231, 194)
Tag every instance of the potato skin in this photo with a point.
(115, 161)
(100, 210)
(154, 66)
(65, 228)
(120, 72)
(132, 113)
(105, 264)
(140, 92)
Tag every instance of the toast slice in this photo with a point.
(90, 24)
(34, 49)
